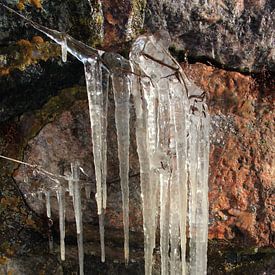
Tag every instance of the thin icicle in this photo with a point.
(121, 89)
(198, 178)
(164, 226)
(78, 214)
(49, 216)
(101, 233)
(95, 98)
(61, 206)
(181, 147)
(48, 204)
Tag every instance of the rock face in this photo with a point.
(66, 140)
(242, 177)
(238, 34)
(44, 120)
(241, 159)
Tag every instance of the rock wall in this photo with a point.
(44, 119)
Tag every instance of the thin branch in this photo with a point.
(39, 169)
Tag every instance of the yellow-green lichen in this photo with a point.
(136, 19)
(36, 3)
(25, 53)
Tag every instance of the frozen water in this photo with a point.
(172, 133)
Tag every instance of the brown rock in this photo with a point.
(242, 155)
(241, 159)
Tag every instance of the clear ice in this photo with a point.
(172, 134)
(173, 147)
(122, 88)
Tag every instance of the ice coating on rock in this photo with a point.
(172, 142)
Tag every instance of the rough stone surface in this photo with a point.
(242, 179)
(242, 157)
(238, 34)
(230, 34)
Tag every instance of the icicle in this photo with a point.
(70, 186)
(144, 170)
(121, 89)
(49, 216)
(98, 117)
(162, 148)
(95, 96)
(78, 214)
(64, 49)
(104, 122)
(101, 233)
(198, 146)
(61, 205)
(181, 153)
(48, 204)
(164, 226)
(172, 142)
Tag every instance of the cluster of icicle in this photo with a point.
(172, 125)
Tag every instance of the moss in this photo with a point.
(137, 19)
(36, 3)
(25, 53)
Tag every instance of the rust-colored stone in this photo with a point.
(242, 155)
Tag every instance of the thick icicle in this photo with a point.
(61, 206)
(178, 112)
(121, 88)
(141, 130)
(98, 117)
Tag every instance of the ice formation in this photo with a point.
(173, 147)
(121, 89)
(172, 125)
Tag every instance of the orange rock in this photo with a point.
(37, 40)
